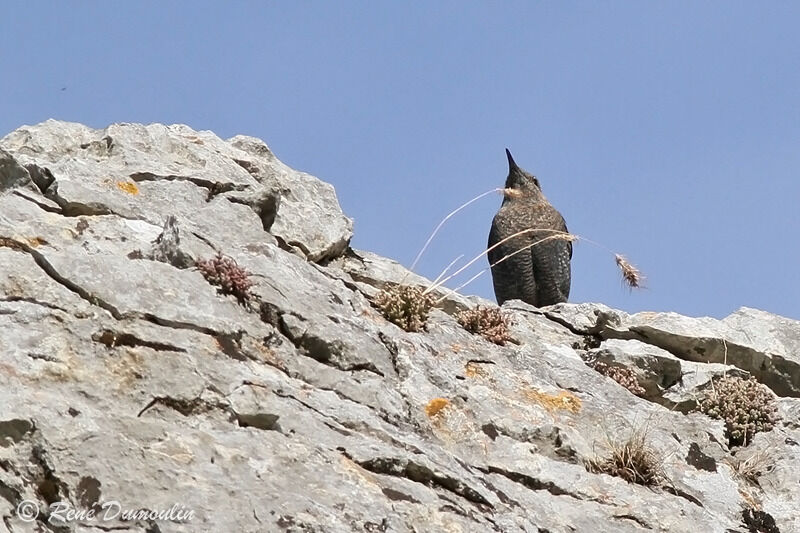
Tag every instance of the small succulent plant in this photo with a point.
(223, 272)
(406, 306)
(622, 375)
(489, 322)
(746, 406)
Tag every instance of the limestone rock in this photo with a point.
(235, 189)
(128, 379)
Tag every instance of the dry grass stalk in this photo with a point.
(448, 267)
(725, 356)
(557, 235)
(630, 274)
(564, 236)
(449, 215)
(633, 460)
(753, 466)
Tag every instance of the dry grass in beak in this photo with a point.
(450, 215)
(630, 274)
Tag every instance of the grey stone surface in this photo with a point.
(12, 174)
(126, 377)
(666, 379)
(230, 191)
(762, 344)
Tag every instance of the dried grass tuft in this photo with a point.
(753, 466)
(633, 460)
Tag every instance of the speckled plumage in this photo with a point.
(539, 275)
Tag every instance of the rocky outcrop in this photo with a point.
(233, 191)
(130, 382)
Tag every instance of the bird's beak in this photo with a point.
(511, 164)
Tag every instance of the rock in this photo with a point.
(167, 247)
(666, 379)
(295, 405)
(12, 174)
(655, 369)
(371, 273)
(227, 190)
(302, 211)
(767, 346)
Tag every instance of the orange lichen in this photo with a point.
(435, 406)
(128, 187)
(564, 400)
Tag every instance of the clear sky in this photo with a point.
(667, 131)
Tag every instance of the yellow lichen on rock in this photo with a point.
(473, 369)
(128, 187)
(563, 401)
(435, 406)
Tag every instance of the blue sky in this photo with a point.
(669, 132)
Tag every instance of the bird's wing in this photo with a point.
(512, 275)
(551, 263)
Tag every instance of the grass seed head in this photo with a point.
(631, 275)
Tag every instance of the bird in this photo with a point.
(540, 274)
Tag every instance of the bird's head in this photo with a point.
(521, 182)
